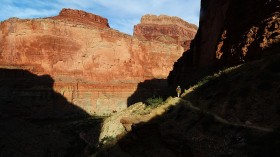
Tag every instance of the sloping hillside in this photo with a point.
(248, 93)
(235, 112)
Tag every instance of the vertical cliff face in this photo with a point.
(92, 65)
(230, 32)
(166, 29)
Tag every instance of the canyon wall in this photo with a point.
(92, 65)
(230, 32)
(166, 29)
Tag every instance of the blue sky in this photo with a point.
(122, 14)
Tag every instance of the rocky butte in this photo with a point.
(92, 65)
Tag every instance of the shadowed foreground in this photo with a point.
(37, 121)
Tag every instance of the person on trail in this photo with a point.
(178, 90)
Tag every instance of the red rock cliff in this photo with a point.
(166, 29)
(94, 67)
(230, 32)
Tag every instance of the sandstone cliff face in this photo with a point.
(166, 29)
(93, 66)
(230, 32)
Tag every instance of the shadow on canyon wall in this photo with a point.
(150, 89)
(37, 121)
(187, 75)
(186, 71)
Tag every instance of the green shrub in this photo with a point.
(154, 101)
(107, 139)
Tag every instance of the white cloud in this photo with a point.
(122, 14)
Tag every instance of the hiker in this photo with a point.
(178, 90)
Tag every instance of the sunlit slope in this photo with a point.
(235, 112)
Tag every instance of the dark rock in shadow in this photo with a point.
(37, 121)
(149, 89)
(184, 130)
(28, 96)
(186, 71)
(234, 34)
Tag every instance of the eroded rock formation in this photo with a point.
(230, 32)
(166, 29)
(92, 65)
(82, 17)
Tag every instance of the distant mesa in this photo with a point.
(82, 17)
(166, 20)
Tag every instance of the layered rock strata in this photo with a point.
(166, 29)
(93, 66)
(83, 17)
